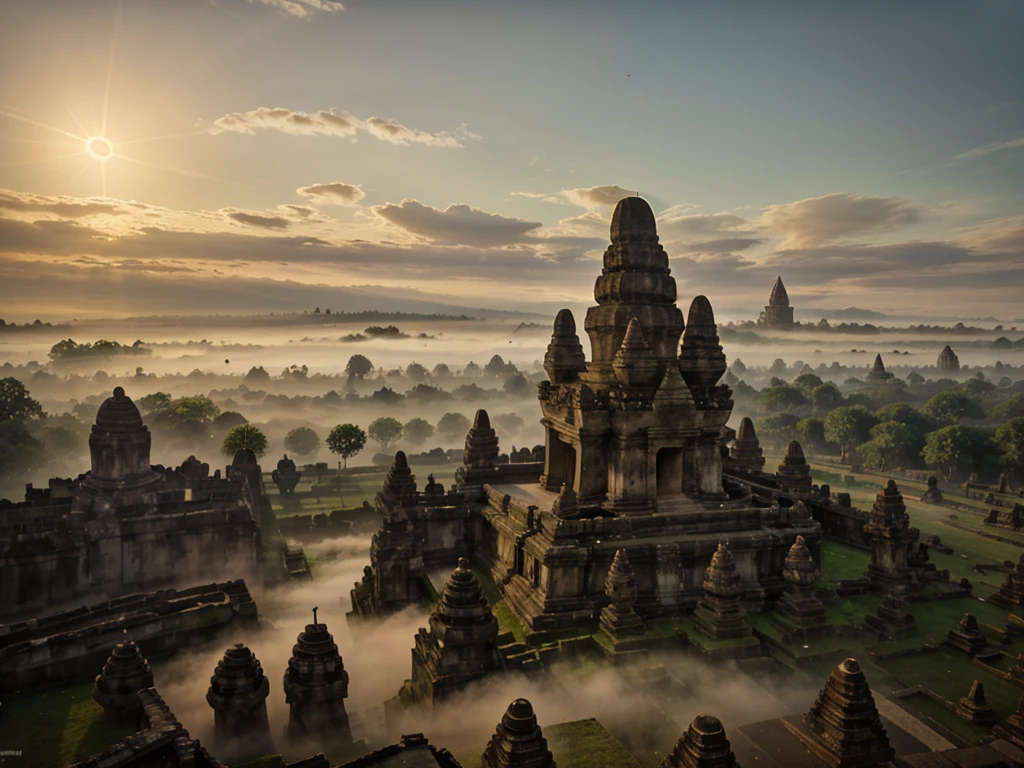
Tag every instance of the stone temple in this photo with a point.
(633, 462)
(778, 313)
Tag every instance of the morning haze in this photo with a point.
(511, 385)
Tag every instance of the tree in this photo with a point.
(516, 385)
(811, 433)
(20, 452)
(346, 440)
(890, 440)
(778, 429)
(244, 436)
(951, 407)
(950, 447)
(826, 396)
(453, 426)
(229, 419)
(1009, 440)
(358, 366)
(417, 431)
(155, 401)
(498, 367)
(62, 441)
(782, 397)
(258, 375)
(848, 426)
(16, 405)
(416, 372)
(302, 441)
(512, 423)
(442, 371)
(807, 382)
(1010, 409)
(385, 431)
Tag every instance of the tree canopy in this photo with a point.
(358, 366)
(346, 440)
(244, 436)
(16, 405)
(417, 431)
(302, 441)
(385, 430)
(453, 426)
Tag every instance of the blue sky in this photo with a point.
(902, 117)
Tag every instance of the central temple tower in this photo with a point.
(639, 425)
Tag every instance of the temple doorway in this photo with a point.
(669, 467)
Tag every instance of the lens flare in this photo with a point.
(100, 147)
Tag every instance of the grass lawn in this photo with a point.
(841, 561)
(507, 620)
(57, 727)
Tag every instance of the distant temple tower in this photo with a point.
(703, 744)
(778, 313)
(746, 453)
(316, 686)
(948, 361)
(119, 445)
(238, 695)
(878, 374)
(518, 741)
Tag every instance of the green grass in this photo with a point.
(579, 744)
(841, 561)
(57, 727)
(507, 619)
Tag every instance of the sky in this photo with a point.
(243, 156)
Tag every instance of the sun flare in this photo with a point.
(99, 147)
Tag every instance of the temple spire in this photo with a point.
(703, 745)
(564, 358)
(518, 741)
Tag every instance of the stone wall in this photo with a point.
(76, 643)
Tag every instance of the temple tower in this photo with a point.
(718, 614)
(799, 604)
(461, 644)
(119, 446)
(619, 619)
(778, 313)
(878, 374)
(399, 487)
(794, 473)
(703, 745)
(1011, 592)
(974, 708)
(843, 728)
(518, 742)
(564, 358)
(948, 361)
(746, 453)
(238, 696)
(888, 534)
(316, 686)
(118, 684)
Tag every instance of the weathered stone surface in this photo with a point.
(238, 696)
(619, 619)
(481, 451)
(843, 727)
(117, 686)
(461, 644)
(878, 374)
(889, 535)
(1011, 592)
(966, 636)
(286, 477)
(932, 494)
(564, 358)
(316, 686)
(634, 364)
(793, 474)
(518, 741)
(799, 603)
(974, 709)
(746, 453)
(719, 615)
(703, 745)
(893, 616)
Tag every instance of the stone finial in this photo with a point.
(518, 741)
(118, 684)
(718, 613)
(800, 568)
(746, 450)
(794, 474)
(779, 297)
(843, 726)
(634, 363)
(119, 448)
(481, 449)
(948, 361)
(701, 358)
(673, 395)
(974, 709)
(619, 618)
(238, 696)
(566, 505)
(399, 487)
(462, 615)
(316, 686)
(633, 220)
(564, 358)
(703, 745)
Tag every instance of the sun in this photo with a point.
(100, 148)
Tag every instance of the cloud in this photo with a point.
(258, 220)
(674, 226)
(723, 245)
(69, 207)
(302, 8)
(819, 220)
(457, 224)
(604, 196)
(988, 149)
(337, 124)
(333, 193)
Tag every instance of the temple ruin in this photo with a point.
(948, 361)
(778, 314)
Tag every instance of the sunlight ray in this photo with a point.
(41, 160)
(71, 114)
(61, 131)
(110, 67)
(182, 171)
(159, 138)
